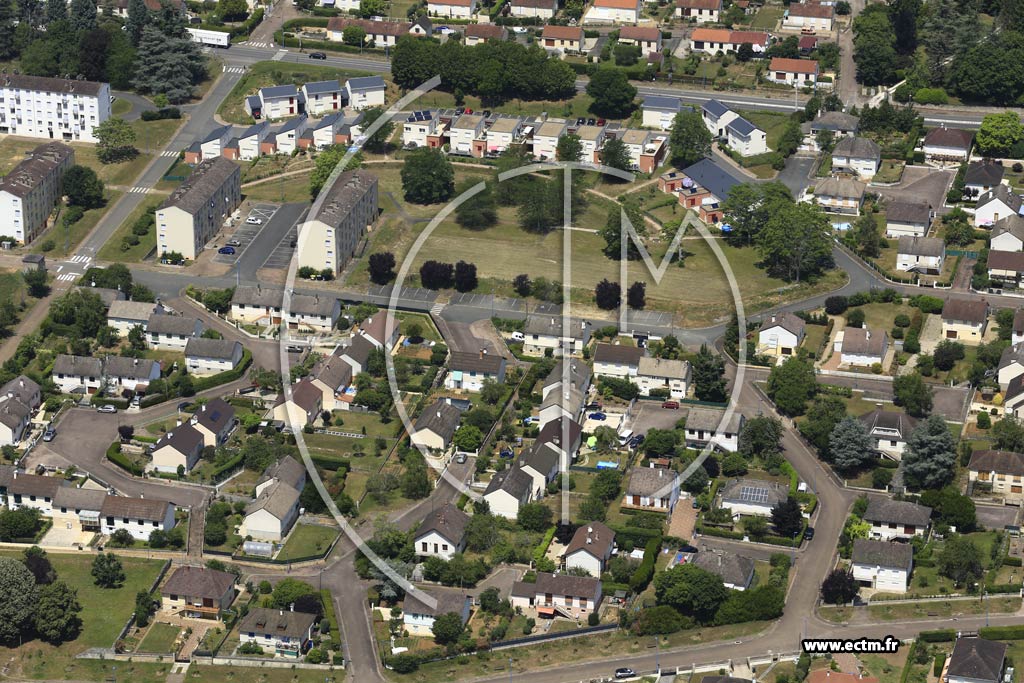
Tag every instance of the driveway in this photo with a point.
(794, 175)
(919, 184)
(649, 415)
(996, 517)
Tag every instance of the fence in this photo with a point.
(545, 637)
(131, 620)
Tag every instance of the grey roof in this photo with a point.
(715, 108)
(965, 310)
(217, 133)
(287, 470)
(148, 509)
(572, 402)
(254, 102)
(898, 511)
(552, 432)
(713, 177)
(467, 361)
(889, 420)
(13, 412)
(132, 310)
(277, 623)
(864, 342)
(741, 126)
(77, 366)
(292, 124)
(134, 368)
(513, 481)
(620, 354)
(68, 86)
(74, 498)
(758, 491)
(564, 584)
(106, 294)
(366, 83)
(540, 456)
(447, 520)
(440, 418)
(23, 388)
(43, 161)
(977, 658)
(318, 87)
(579, 374)
(333, 371)
(198, 582)
(278, 499)
(835, 121)
(857, 148)
(662, 103)
(201, 347)
(444, 603)
(955, 138)
(840, 187)
(1012, 224)
(734, 569)
(1003, 194)
(1012, 354)
(709, 419)
(161, 323)
(254, 129)
(593, 537)
(882, 553)
(359, 350)
(725, 679)
(984, 172)
(647, 481)
(787, 321)
(932, 247)
(1002, 462)
(327, 122)
(183, 438)
(908, 212)
(258, 296)
(663, 367)
(345, 194)
(551, 326)
(304, 304)
(202, 185)
(34, 484)
(288, 90)
(215, 415)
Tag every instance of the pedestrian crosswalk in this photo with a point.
(139, 190)
(80, 258)
(68, 277)
(234, 69)
(168, 153)
(436, 309)
(257, 44)
(280, 55)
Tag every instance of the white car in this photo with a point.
(253, 220)
(518, 29)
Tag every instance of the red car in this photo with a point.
(673, 405)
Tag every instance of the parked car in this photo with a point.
(580, 122)
(601, 122)
(460, 458)
(635, 440)
(518, 336)
(518, 29)
(234, 243)
(106, 408)
(673, 405)
(254, 220)
(136, 401)
(506, 453)
(624, 672)
(808, 533)
(591, 122)
(49, 434)
(527, 421)
(318, 55)
(226, 250)
(600, 417)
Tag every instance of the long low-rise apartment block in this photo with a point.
(329, 238)
(194, 212)
(29, 192)
(52, 108)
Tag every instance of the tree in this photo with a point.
(690, 590)
(35, 281)
(18, 524)
(534, 517)
(92, 54)
(606, 485)
(761, 436)
(690, 139)
(796, 241)
(168, 62)
(436, 275)
(874, 50)
(958, 231)
(734, 465)
(787, 517)
(378, 142)
(1008, 435)
(82, 15)
(658, 442)
(960, 560)
(57, 610)
(607, 295)
(257, 453)
(636, 296)
(749, 206)
(999, 133)
(38, 563)
(839, 587)
(929, 460)
(122, 538)
(382, 267)
(465, 277)
(615, 154)
(481, 533)
(569, 148)
(107, 571)
(427, 177)
(612, 92)
(83, 187)
(522, 284)
(709, 376)
(850, 446)
(479, 211)
(56, 10)
(115, 141)
(614, 231)
(865, 236)
(952, 507)
(448, 628)
(467, 438)
(791, 385)
(911, 393)
(415, 483)
(540, 209)
(138, 15)
(17, 599)
(947, 353)
(353, 35)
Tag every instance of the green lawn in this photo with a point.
(772, 124)
(230, 674)
(262, 74)
(67, 244)
(13, 150)
(159, 638)
(290, 189)
(111, 251)
(427, 329)
(889, 171)
(307, 540)
(814, 337)
(879, 317)
(767, 17)
(120, 107)
(12, 287)
(577, 107)
(154, 135)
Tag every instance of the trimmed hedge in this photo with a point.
(720, 533)
(115, 456)
(204, 383)
(1002, 588)
(542, 548)
(227, 466)
(1011, 561)
(324, 45)
(643, 574)
(1002, 632)
(946, 635)
(636, 535)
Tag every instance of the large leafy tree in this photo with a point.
(874, 46)
(615, 154)
(7, 18)
(796, 241)
(749, 206)
(761, 436)
(960, 560)
(570, 148)
(787, 517)
(910, 392)
(138, 16)
(612, 92)
(709, 375)
(378, 142)
(448, 628)
(850, 445)
(83, 187)
(427, 177)
(57, 611)
(479, 211)
(17, 599)
(839, 587)
(691, 590)
(791, 385)
(107, 571)
(115, 140)
(822, 417)
(83, 15)
(999, 132)
(690, 140)
(930, 458)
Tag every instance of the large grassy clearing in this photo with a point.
(307, 540)
(13, 150)
(67, 244)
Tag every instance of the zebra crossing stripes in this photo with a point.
(436, 309)
(68, 277)
(138, 190)
(168, 153)
(257, 44)
(234, 69)
(80, 258)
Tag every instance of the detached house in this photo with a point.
(558, 594)
(976, 660)
(1000, 471)
(562, 39)
(613, 12)
(556, 440)
(964, 320)
(544, 332)
(332, 376)
(890, 431)
(77, 374)
(19, 398)
(214, 420)
(124, 315)
(282, 633)
(172, 332)
(462, 9)
(699, 11)
(904, 218)
(897, 519)
(1005, 268)
(752, 496)
(704, 426)
(711, 41)
(590, 549)
(647, 38)
(660, 111)
(997, 203)
(436, 426)
(1011, 365)
(839, 124)
(662, 374)
(198, 592)
(883, 565)
(481, 33)
(419, 615)
(258, 305)
(507, 491)
(378, 33)
(840, 195)
(781, 335)
(736, 571)
(809, 15)
(541, 9)
(924, 255)
(212, 356)
(795, 72)
(947, 145)
(271, 515)
(468, 371)
(180, 447)
(859, 156)
(617, 360)
(746, 138)
(654, 489)
(716, 117)
(861, 347)
(1007, 234)
(982, 176)
(304, 406)
(441, 533)
(323, 97)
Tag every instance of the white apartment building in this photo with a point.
(29, 192)
(545, 139)
(364, 92)
(249, 141)
(466, 128)
(194, 212)
(329, 239)
(54, 108)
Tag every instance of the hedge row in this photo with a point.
(1002, 588)
(946, 635)
(636, 535)
(643, 574)
(1011, 561)
(204, 383)
(542, 548)
(115, 456)
(1002, 632)
(324, 45)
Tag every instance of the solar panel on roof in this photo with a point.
(754, 494)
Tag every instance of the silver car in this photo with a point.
(106, 408)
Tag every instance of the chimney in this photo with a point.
(280, 613)
(21, 382)
(482, 352)
(291, 607)
(179, 423)
(204, 408)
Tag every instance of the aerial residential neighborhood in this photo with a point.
(546, 340)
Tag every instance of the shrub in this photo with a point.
(836, 305)
(984, 421)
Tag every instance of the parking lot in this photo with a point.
(993, 517)
(649, 415)
(406, 294)
(245, 233)
(282, 254)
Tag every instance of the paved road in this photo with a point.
(795, 174)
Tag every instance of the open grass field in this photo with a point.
(307, 540)
(160, 638)
(290, 189)
(576, 107)
(111, 251)
(67, 244)
(767, 17)
(12, 287)
(13, 150)
(120, 107)
(262, 74)
(229, 674)
(152, 136)
(772, 124)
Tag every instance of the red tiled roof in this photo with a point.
(645, 33)
(563, 32)
(798, 66)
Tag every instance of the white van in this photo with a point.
(625, 436)
(518, 337)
